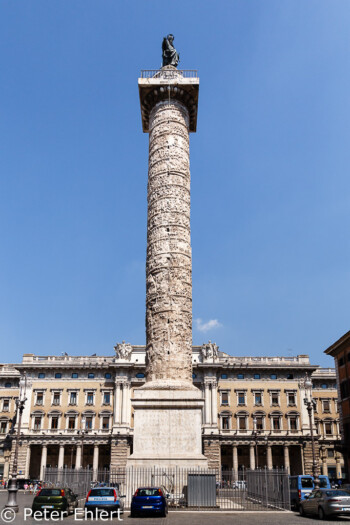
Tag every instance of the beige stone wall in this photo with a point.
(169, 263)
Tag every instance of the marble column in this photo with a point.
(286, 458)
(338, 466)
(269, 457)
(125, 404)
(235, 462)
(251, 456)
(95, 462)
(26, 475)
(128, 408)
(7, 468)
(207, 403)
(214, 404)
(117, 403)
(61, 456)
(78, 457)
(43, 461)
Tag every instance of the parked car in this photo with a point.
(61, 499)
(326, 503)
(303, 485)
(104, 498)
(149, 500)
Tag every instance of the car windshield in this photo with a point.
(102, 492)
(50, 492)
(306, 483)
(323, 482)
(148, 492)
(332, 493)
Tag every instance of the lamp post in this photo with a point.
(12, 487)
(310, 406)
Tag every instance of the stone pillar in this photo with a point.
(119, 452)
(269, 457)
(125, 402)
(286, 458)
(61, 456)
(169, 257)
(235, 462)
(207, 408)
(251, 456)
(7, 467)
(338, 466)
(26, 472)
(95, 462)
(78, 457)
(212, 452)
(43, 461)
(214, 404)
(117, 403)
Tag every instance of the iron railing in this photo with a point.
(186, 489)
(169, 73)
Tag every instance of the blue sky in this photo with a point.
(269, 167)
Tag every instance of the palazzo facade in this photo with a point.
(78, 411)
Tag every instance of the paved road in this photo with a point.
(177, 518)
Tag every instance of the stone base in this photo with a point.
(167, 428)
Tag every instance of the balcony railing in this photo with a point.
(169, 73)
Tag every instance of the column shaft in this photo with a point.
(235, 462)
(269, 457)
(207, 409)
(117, 403)
(43, 461)
(251, 457)
(286, 458)
(169, 256)
(214, 404)
(61, 456)
(26, 475)
(95, 462)
(78, 457)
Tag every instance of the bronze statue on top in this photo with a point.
(170, 56)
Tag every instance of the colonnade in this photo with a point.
(60, 465)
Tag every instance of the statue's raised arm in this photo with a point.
(170, 56)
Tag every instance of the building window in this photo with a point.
(341, 361)
(225, 422)
(91, 375)
(8, 385)
(56, 398)
(326, 405)
(54, 422)
(259, 422)
(106, 398)
(105, 423)
(273, 376)
(242, 423)
(291, 398)
(241, 398)
(88, 422)
(240, 376)
(58, 375)
(41, 375)
(293, 422)
(328, 428)
(223, 376)
(108, 375)
(290, 376)
(71, 422)
(258, 399)
(276, 422)
(324, 385)
(140, 375)
(330, 452)
(6, 405)
(39, 398)
(256, 376)
(275, 398)
(37, 423)
(193, 376)
(90, 398)
(75, 375)
(224, 399)
(3, 427)
(73, 398)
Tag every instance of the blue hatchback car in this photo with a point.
(149, 500)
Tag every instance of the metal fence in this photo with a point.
(186, 489)
(169, 73)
